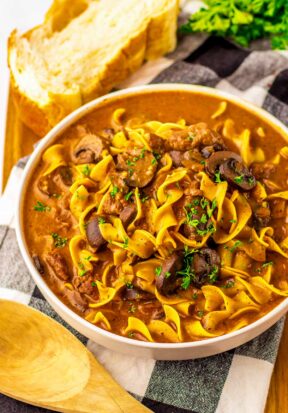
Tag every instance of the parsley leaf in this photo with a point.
(243, 20)
(158, 271)
(213, 274)
(234, 247)
(101, 220)
(59, 241)
(266, 264)
(239, 179)
(86, 170)
(217, 176)
(128, 196)
(125, 242)
(114, 191)
(229, 284)
(186, 282)
(40, 207)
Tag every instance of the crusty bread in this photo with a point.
(82, 50)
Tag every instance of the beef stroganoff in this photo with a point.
(163, 231)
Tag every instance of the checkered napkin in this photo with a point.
(236, 381)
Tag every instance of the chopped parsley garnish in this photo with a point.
(203, 219)
(233, 221)
(86, 170)
(93, 284)
(195, 222)
(129, 285)
(40, 207)
(203, 232)
(114, 191)
(186, 271)
(156, 155)
(101, 220)
(203, 162)
(144, 198)
(130, 163)
(195, 296)
(217, 176)
(130, 171)
(82, 272)
(57, 196)
(195, 202)
(128, 196)
(234, 247)
(142, 154)
(82, 268)
(154, 161)
(125, 242)
(213, 274)
(59, 241)
(88, 258)
(229, 284)
(266, 264)
(213, 206)
(130, 334)
(132, 308)
(200, 313)
(204, 203)
(186, 282)
(251, 180)
(167, 274)
(158, 271)
(191, 136)
(239, 179)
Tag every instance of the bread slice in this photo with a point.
(82, 50)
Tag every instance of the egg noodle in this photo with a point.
(183, 211)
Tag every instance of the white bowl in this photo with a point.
(159, 351)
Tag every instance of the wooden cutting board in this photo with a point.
(19, 142)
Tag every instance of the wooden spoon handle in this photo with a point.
(43, 364)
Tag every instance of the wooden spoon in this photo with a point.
(43, 364)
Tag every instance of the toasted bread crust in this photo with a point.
(153, 40)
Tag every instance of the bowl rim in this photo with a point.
(61, 127)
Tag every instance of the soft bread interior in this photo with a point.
(69, 55)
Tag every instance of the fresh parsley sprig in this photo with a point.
(243, 21)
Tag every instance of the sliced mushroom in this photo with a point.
(208, 150)
(59, 179)
(57, 263)
(93, 233)
(128, 214)
(205, 266)
(140, 165)
(88, 150)
(132, 294)
(168, 280)
(217, 158)
(38, 264)
(231, 168)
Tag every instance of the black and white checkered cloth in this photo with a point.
(233, 382)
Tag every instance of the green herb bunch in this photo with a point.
(243, 20)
